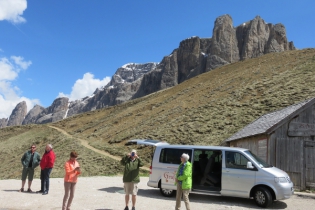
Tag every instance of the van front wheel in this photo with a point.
(167, 192)
(262, 197)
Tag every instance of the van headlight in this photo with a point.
(282, 180)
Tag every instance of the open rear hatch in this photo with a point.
(148, 142)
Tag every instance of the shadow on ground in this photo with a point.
(98, 209)
(10, 190)
(240, 202)
(233, 201)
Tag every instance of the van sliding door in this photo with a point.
(170, 158)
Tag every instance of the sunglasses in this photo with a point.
(33, 147)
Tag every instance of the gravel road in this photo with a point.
(106, 193)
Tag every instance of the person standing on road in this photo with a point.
(131, 178)
(183, 181)
(72, 170)
(46, 165)
(30, 160)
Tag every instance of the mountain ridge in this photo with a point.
(193, 57)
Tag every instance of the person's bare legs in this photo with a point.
(29, 184)
(134, 198)
(127, 199)
(23, 183)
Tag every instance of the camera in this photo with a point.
(132, 154)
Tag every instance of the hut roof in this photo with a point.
(269, 122)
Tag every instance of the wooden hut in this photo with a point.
(285, 139)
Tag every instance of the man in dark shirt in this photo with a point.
(30, 160)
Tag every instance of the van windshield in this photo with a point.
(258, 160)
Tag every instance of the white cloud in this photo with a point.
(12, 10)
(7, 70)
(9, 94)
(85, 87)
(19, 61)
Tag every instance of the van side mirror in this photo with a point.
(250, 165)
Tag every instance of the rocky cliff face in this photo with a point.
(224, 43)
(18, 114)
(256, 38)
(123, 85)
(35, 113)
(194, 56)
(57, 111)
(38, 114)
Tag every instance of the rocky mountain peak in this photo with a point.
(36, 112)
(18, 114)
(130, 72)
(224, 41)
(224, 20)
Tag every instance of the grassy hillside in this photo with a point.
(203, 110)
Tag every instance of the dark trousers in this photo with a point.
(44, 177)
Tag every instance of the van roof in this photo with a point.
(203, 147)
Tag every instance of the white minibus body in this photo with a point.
(221, 171)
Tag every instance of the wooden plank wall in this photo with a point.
(289, 158)
(310, 163)
(257, 144)
(272, 149)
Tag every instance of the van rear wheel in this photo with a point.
(167, 192)
(262, 197)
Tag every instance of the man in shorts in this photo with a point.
(30, 160)
(131, 178)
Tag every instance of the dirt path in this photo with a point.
(86, 144)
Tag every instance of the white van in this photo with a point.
(224, 171)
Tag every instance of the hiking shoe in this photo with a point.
(21, 190)
(133, 208)
(127, 208)
(29, 190)
(40, 191)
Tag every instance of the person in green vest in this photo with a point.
(131, 163)
(183, 181)
(30, 160)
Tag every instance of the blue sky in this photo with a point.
(55, 48)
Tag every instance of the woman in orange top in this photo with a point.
(72, 169)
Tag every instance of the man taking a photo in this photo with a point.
(131, 178)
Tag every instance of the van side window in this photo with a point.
(235, 160)
(172, 156)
